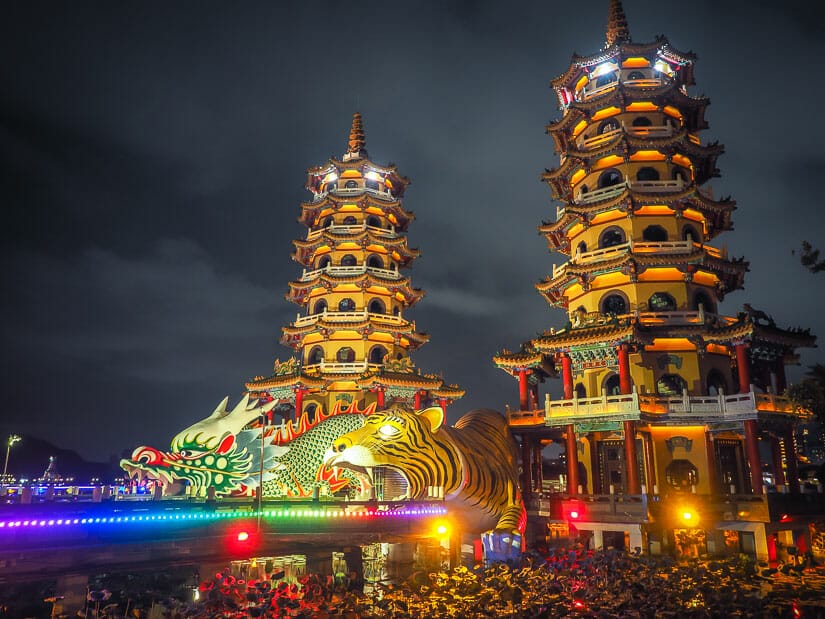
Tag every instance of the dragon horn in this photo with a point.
(221, 408)
(268, 406)
(241, 407)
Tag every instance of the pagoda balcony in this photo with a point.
(656, 131)
(352, 229)
(601, 194)
(341, 271)
(334, 367)
(585, 94)
(330, 316)
(355, 191)
(667, 186)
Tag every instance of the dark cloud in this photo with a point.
(152, 159)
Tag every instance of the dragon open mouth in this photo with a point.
(140, 472)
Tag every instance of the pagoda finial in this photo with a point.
(617, 29)
(357, 145)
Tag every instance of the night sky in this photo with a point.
(154, 156)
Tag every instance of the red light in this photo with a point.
(579, 605)
(574, 515)
(243, 536)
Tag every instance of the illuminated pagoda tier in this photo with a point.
(652, 374)
(352, 341)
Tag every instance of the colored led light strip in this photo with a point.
(267, 513)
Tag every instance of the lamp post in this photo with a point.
(13, 438)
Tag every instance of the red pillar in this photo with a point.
(380, 394)
(567, 377)
(631, 464)
(522, 389)
(743, 365)
(790, 459)
(417, 403)
(572, 455)
(526, 467)
(625, 384)
(299, 402)
(752, 449)
(713, 472)
(443, 403)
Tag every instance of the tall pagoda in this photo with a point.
(660, 391)
(352, 342)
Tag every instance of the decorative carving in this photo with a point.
(290, 366)
(679, 442)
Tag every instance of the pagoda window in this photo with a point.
(327, 222)
(332, 186)
(611, 237)
(584, 190)
(642, 121)
(580, 390)
(670, 384)
(614, 303)
(346, 305)
(689, 234)
(612, 385)
(702, 298)
(349, 261)
(661, 302)
(647, 173)
(635, 75)
(396, 311)
(609, 178)
(351, 184)
(377, 354)
(375, 262)
(320, 307)
(654, 234)
(315, 356)
(345, 355)
(608, 125)
(681, 475)
(373, 221)
(716, 383)
(679, 175)
(606, 79)
(377, 306)
(581, 248)
(349, 220)
(324, 262)
(371, 184)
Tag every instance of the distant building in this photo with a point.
(669, 411)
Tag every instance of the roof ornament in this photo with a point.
(617, 29)
(357, 145)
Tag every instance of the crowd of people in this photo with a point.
(569, 582)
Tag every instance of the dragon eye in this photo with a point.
(388, 430)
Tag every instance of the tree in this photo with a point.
(809, 394)
(810, 258)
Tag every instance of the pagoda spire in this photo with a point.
(617, 29)
(357, 145)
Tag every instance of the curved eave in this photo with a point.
(368, 236)
(289, 380)
(310, 209)
(400, 379)
(406, 328)
(609, 334)
(451, 392)
(359, 164)
(746, 330)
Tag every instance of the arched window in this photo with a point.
(702, 298)
(680, 175)
(348, 261)
(327, 222)
(612, 386)
(606, 79)
(608, 125)
(377, 354)
(716, 383)
(610, 177)
(371, 184)
(377, 306)
(670, 384)
(615, 304)
(581, 248)
(324, 262)
(315, 356)
(635, 75)
(350, 220)
(396, 311)
(647, 174)
(681, 475)
(661, 302)
(580, 391)
(655, 234)
(373, 221)
(346, 305)
(320, 307)
(611, 237)
(351, 185)
(375, 262)
(345, 355)
(642, 121)
(690, 231)
(332, 186)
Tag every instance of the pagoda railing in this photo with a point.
(351, 229)
(601, 194)
(355, 191)
(657, 186)
(588, 93)
(359, 269)
(331, 316)
(655, 131)
(343, 368)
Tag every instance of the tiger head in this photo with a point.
(413, 445)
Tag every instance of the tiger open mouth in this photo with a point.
(388, 482)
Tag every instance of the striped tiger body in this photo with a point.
(474, 461)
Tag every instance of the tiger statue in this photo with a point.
(474, 461)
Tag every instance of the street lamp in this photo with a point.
(13, 438)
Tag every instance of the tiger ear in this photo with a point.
(434, 416)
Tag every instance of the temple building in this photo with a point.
(351, 341)
(671, 414)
